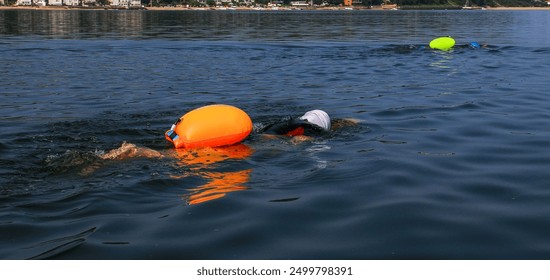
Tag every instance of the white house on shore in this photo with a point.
(299, 3)
(126, 3)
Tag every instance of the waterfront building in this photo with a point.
(223, 2)
(23, 3)
(72, 2)
(89, 2)
(126, 3)
(299, 3)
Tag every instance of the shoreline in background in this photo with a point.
(343, 8)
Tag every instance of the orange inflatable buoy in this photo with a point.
(210, 126)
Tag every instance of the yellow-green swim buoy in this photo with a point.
(442, 43)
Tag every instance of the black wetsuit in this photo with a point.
(292, 127)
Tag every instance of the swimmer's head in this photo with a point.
(317, 117)
(474, 45)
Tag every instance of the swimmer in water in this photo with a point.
(311, 123)
(471, 45)
(304, 128)
(299, 129)
(203, 162)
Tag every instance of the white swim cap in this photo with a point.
(317, 117)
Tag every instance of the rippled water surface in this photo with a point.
(450, 159)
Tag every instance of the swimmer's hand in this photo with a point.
(129, 150)
(299, 139)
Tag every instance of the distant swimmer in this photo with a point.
(471, 45)
(446, 44)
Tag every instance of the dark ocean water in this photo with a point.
(451, 159)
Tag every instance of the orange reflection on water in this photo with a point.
(202, 161)
(220, 184)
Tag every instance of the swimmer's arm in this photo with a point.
(340, 123)
(336, 124)
(129, 150)
(293, 139)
